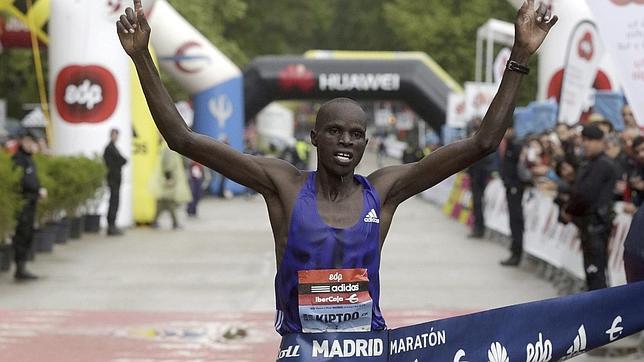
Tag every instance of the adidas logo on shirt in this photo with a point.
(372, 217)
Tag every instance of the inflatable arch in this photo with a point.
(407, 76)
(94, 89)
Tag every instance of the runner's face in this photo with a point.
(341, 139)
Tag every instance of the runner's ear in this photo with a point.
(314, 141)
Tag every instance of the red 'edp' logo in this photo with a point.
(586, 48)
(86, 94)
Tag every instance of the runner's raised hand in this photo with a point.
(531, 27)
(133, 29)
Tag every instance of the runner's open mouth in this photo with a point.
(343, 157)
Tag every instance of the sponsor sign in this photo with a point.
(192, 60)
(389, 82)
(85, 94)
(296, 77)
(549, 330)
(219, 113)
(552, 53)
(334, 300)
(90, 87)
(585, 51)
(456, 117)
(478, 97)
(621, 25)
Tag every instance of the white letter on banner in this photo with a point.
(336, 349)
(322, 349)
(377, 347)
(349, 347)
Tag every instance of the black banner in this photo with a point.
(292, 77)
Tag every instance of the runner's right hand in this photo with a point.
(133, 29)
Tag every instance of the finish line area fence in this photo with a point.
(554, 247)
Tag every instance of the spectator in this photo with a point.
(622, 165)
(634, 249)
(514, 186)
(171, 187)
(591, 205)
(303, 150)
(565, 136)
(636, 178)
(412, 154)
(600, 121)
(627, 115)
(479, 173)
(198, 181)
(31, 192)
(566, 172)
(114, 162)
(382, 152)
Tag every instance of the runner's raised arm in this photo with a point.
(259, 173)
(399, 183)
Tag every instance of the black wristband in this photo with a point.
(517, 67)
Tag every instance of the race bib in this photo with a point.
(334, 300)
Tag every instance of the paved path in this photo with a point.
(191, 294)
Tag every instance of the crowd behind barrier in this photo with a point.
(551, 241)
(547, 171)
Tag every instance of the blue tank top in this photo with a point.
(328, 279)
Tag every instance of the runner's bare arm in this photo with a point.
(398, 183)
(259, 173)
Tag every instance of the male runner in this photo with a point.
(329, 225)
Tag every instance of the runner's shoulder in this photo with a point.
(281, 173)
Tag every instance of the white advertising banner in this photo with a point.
(552, 55)
(456, 110)
(548, 239)
(621, 26)
(585, 51)
(496, 204)
(478, 97)
(439, 193)
(89, 79)
(185, 53)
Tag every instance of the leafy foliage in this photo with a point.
(70, 183)
(244, 29)
(446, 30)
(18, 82)
(10, 198)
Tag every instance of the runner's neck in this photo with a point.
(333, 187)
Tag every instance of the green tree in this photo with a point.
(446, 30)
(18, 79)
(293, 27)
(281, 27)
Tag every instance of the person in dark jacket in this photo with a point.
(31, 192)
(114, 162)
(514, 186)
(591, 205)
(479, 173)
(634, 249)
